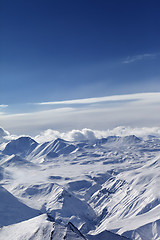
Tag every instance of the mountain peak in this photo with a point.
(20, 146)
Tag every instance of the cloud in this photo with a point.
(47, 136)
(140, 57)
(142, 111)
(4, 137)
(3, 106)
(73, 135)
(3, 132)
(89, 134)
(126, 97)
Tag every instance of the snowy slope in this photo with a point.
(12, 210)
(21, 146)
(36, 228)
(104, 188)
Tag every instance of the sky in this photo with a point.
(61, 60)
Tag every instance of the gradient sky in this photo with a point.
(57, 50)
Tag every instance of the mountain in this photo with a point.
(1, 173)
(16, 161)
(21, 146)
(53, 149)
(35, 228)
(132, 139)
(12, 210)
(42, 227)
(94, 189)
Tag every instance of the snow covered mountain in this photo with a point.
(21, 146)
(96, 189)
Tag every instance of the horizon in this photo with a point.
(130, 110)
(85, 134)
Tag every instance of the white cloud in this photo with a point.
(89, 134)
(47, 136)
(3, 132)
(126, 97)
(142, 111)
(3, 106)
(140, 57)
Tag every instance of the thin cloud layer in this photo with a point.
(3, 132)
(3, 106)
(126, 97)
(134, 110)
(140, 57)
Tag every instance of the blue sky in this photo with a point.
(65, 50)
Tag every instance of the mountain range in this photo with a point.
(102, 188)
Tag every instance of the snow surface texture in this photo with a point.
(94, 188)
